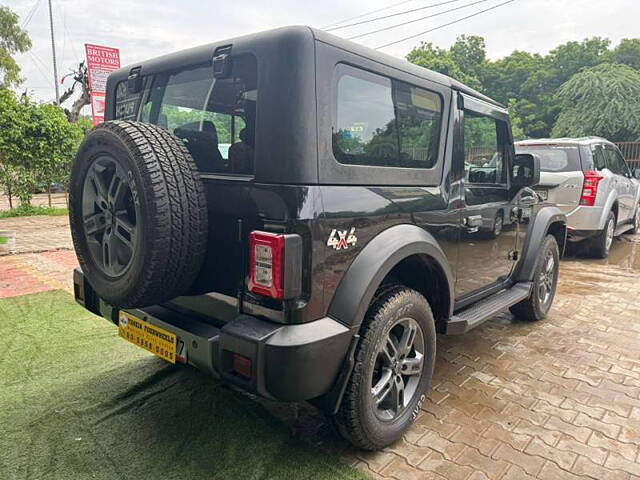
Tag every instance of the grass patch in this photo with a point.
(30, 210)
(78, 402)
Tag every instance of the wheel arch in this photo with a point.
(548, 220)
(398, 253)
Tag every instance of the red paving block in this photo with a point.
(65, 258)
(15, 281)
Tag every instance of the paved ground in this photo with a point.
(39, 233)
(553, 400)
(39, 200)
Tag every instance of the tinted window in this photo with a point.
(484, 149)
(127, 103)
(554, 158)
(599, 159)
(615, 162)
(383, 122)
(214, 117)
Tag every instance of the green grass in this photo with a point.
(29, 210)
(77, 402)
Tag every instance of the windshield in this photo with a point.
(554, 158)
(214, 117)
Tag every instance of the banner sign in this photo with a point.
(101, 61)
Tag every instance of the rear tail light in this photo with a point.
(590, 187)
(241, 365)
(266, 264)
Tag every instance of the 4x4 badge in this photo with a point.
(340, 239)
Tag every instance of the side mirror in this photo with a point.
(526, 170)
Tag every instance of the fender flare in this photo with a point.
(544, 219)
(365, 274)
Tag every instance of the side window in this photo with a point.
(214, 117)
(127, 103)
(383, 122)
(599, 159)
(615, 162)
(484, 149)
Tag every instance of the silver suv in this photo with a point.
(589, 180)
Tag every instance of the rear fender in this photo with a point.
(365, 274)
(549, 219)
(608, 206)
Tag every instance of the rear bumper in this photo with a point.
(583, 222)
(288, 362)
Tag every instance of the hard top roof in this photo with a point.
(204, 53)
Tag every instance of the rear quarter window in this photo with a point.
(384, 122)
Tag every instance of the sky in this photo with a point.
(143, 29)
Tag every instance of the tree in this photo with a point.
(12, 40)
(80, 77)
(603, 100)
(465, 53)
(37, 144)
(628, 52)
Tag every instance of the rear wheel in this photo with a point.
(393, 370)
(636, 221)
(601, 244)
(545, 280)
(498, 225)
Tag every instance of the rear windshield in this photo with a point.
(554, 158)
(215, 118)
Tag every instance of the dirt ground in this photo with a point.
(558, 399)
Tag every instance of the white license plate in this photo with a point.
(542, 193)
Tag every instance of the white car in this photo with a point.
(589, 180)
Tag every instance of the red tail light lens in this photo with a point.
(590, 187)
(266, 264)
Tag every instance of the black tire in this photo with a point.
(164, 205)
(636, 222)
(497, 226)
(537, 305)
(358, 417)
(600, 245)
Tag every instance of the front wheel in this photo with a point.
(545, 280)
(393, 370)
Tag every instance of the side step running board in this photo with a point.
(622, 228)
(474, 315)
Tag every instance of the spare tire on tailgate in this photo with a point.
(138, 214)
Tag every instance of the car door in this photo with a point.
(621, 181)
(489, 218)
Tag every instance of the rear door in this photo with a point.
(621, 181)
(561, 176)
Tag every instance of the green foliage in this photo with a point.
(446, 62)
(628, 52)
(527, 82)
(12, 40)
(30, 210)
(37, 144)
(178, 116)
(603, 100)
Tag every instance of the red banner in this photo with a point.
(101, 61)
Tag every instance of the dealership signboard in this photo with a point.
(101, 61)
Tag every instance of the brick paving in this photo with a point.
(559, 399)
(39, 233)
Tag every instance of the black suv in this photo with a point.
(300, 215)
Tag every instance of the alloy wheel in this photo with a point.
(546, 279)
(497, 226)
(398, 369)
(610, 231)
(109, 216)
